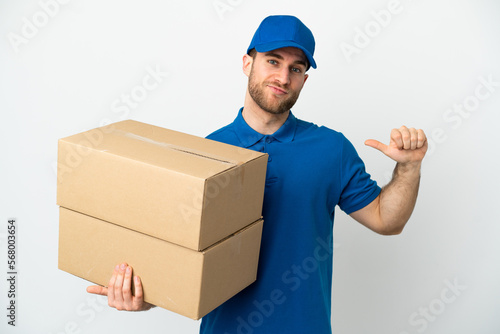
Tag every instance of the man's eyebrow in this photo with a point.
(301, 62)
(275, 55)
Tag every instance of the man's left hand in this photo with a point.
(407, 145)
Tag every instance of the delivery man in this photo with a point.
(311, 170)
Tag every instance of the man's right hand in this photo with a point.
(119, 290)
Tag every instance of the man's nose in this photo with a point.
(283, 75)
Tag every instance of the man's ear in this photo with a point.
(305, 79)
(247, 64)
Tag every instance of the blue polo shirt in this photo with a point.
(310, 171)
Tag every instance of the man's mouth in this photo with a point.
(277, 90)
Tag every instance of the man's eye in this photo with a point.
(272, 62)
(296, 70)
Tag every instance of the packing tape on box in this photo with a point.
(177, 148)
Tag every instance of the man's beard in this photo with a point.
(257, 93)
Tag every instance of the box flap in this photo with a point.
(157, 151)
(210, 148)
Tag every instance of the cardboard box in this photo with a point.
(176, 278)
(180, 188)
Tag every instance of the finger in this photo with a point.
(111, 287)
(139, 297)
(397, 138)
(119, 287)
(406, 137)
(413, 138)
(97, 290)
(422, 138)
(376, 144)
(127, 289)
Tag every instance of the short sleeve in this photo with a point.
(357, 188)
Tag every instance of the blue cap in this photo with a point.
(282, 31)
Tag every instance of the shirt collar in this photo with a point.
(248, 136)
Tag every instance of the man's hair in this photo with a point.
(252, 53)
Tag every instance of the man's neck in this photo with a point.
(261, 120)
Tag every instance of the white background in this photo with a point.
(69, 73)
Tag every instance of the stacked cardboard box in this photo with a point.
(183, 211)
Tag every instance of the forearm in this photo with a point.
(399, 196)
